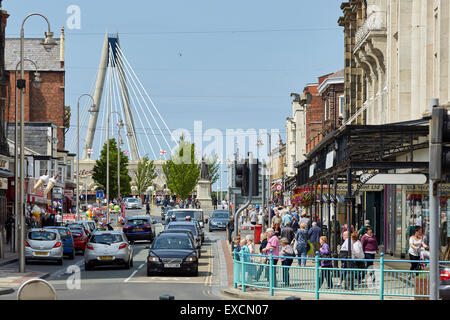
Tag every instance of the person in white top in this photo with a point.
(260, 219)
(59, 219)
(357, 253)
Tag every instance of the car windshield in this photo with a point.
(76, 230)
(107, 238)
(181, 215)
(190, 227)
(76, 225)
(188, 232)
(132, 200)
(172, 242)
(137, 222)
(42, 236)
(220, 215)
(64, 233)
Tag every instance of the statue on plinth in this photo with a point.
(204, 171)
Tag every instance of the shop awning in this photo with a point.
(6, 174)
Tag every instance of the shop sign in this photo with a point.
(69, 217)
(4, 183)
(426, 188)
(394, 178)
(57, 193)
(68, 193)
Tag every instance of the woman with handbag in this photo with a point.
(325, 252)
(302, 243)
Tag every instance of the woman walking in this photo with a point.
(286, 251)
(415, 244)
(325, 252)
(302, 243)
(370, 248)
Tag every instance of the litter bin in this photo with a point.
(258, 229)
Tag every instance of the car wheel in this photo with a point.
(149, 274)
(72, 255)
(131, 263)
(60, 262)
(195, 273)
(127, 265)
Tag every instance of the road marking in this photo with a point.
(132, 275)
(141, 266)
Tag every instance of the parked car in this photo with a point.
(80, 238)
(190, 234)
(133, 203)
(43, 245)
(444, 287)
(186, 225)
(219, 220)
(108, 248)
(181, 214)
(172, 252)
(67, 240)
(139, 228)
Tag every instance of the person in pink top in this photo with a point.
(272, 244)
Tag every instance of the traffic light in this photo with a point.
(243, 178)
(440, 136)
(255, 178)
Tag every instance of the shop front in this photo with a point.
(409, 206)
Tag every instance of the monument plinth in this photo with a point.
(204, 196)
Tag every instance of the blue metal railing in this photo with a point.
(352, 278)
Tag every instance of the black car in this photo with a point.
(186, 225)
(444, 287)
(174, 253)
(190, 234)
(139, 228)
(219, 220)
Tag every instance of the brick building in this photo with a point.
(47, 102)
(314, 115)
(331, 89)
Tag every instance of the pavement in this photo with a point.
(251, 293)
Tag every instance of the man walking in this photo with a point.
(288, 233)
(230, 229)
(314, 237)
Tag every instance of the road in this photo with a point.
(115, 283)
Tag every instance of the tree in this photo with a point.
(213, 168)
(99, 175)
(145, 174)
(181, 170)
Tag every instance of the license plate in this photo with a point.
(138, 230)
(41, 253)
(171, 265)
(106, 258)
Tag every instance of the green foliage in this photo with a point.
(99, 175)
(213, 168)
(181, 170)
(145, 174)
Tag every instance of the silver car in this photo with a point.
(108, 248)
(43, 245)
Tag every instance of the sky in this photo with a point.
(230, 64)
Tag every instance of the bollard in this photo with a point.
(317, 270)
(382, 276)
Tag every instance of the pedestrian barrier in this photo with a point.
(351, 278)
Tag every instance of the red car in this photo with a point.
(80, 238)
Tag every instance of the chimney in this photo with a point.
(62, 48)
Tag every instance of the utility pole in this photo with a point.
(250, 193)
(439, 167)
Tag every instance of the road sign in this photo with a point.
(401, 178)
(100, 194)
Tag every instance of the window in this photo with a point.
(43, 165)
(326, 110)
(341, 106)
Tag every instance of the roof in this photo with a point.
(35, 51)
(334, 78)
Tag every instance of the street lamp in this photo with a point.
(48, 43)
(37, 82)
(78, 148)
(107, 161)
(119, 144)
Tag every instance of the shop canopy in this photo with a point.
(357, 149)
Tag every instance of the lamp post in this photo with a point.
(37, 82)
(78, 149)
(48, 43)
(119, 144)
(107, 162)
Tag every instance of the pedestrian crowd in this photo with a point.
(294, 236)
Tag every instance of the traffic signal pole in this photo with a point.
(439, 135)
(250, 195)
